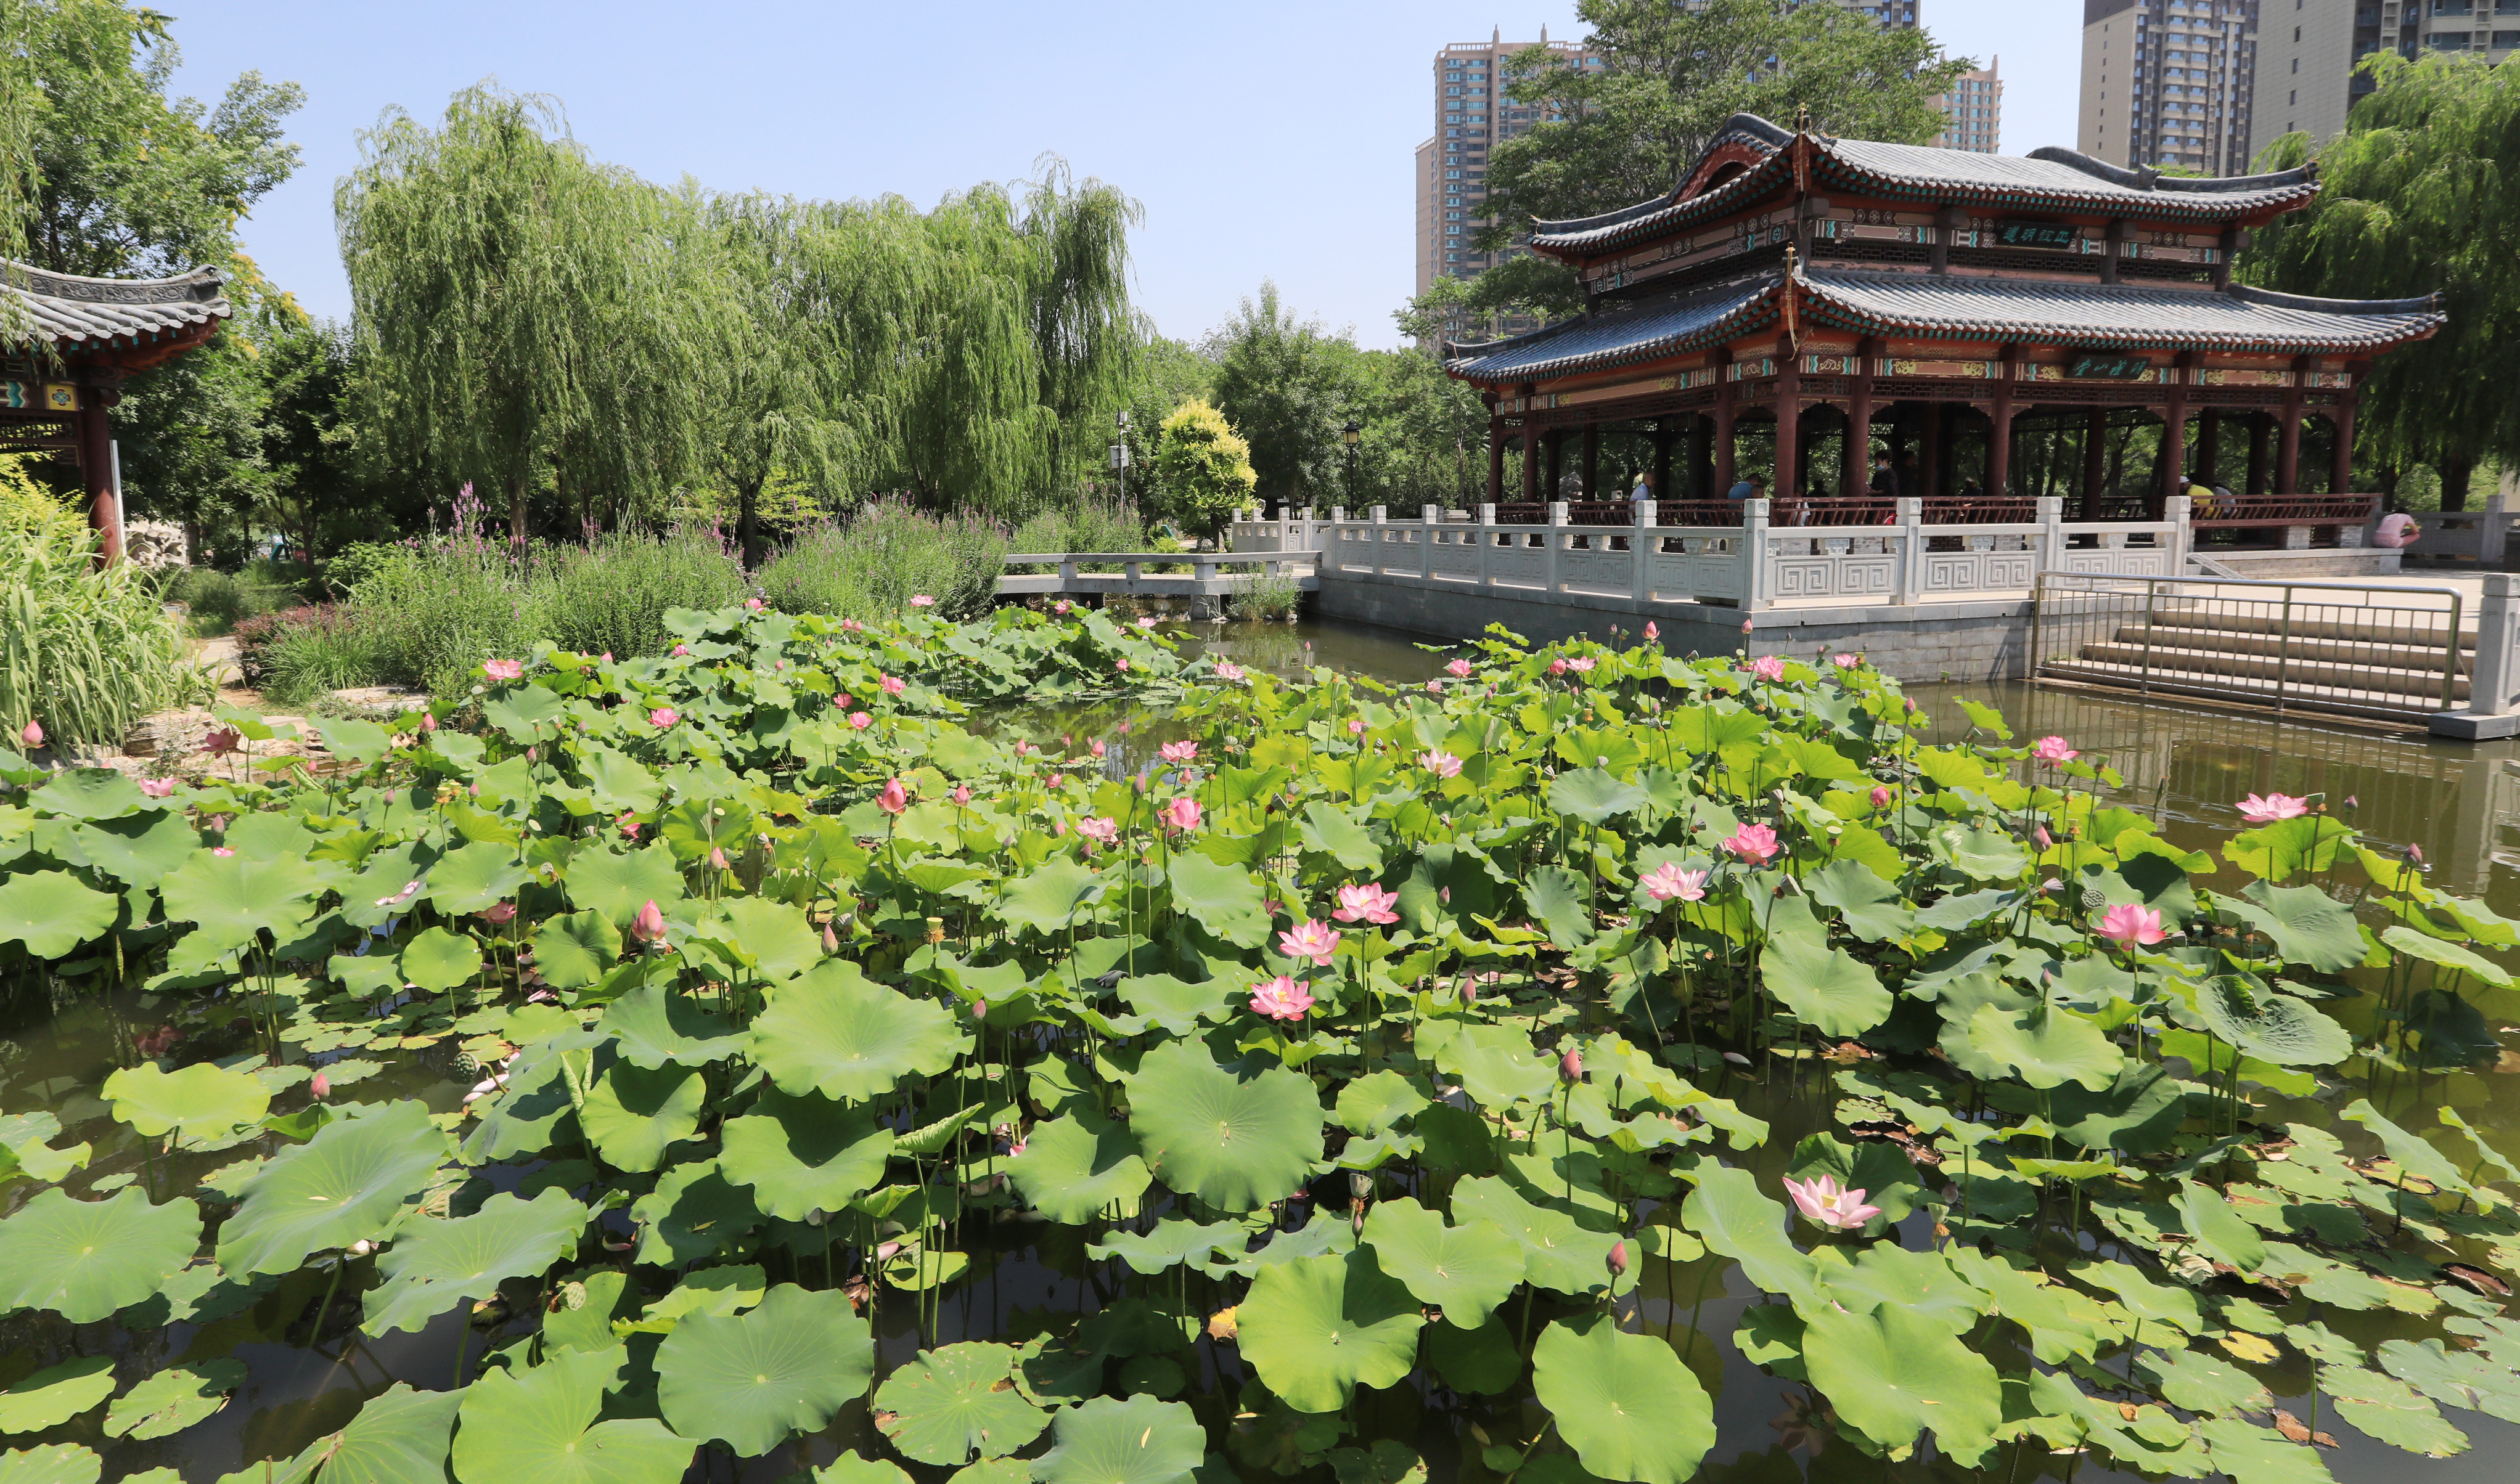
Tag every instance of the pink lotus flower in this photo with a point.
(499, 914)
(428, 723)
(2040, 836)
(1063, 608)
(681, 649)
(1755, 843)
(1668, 882)
(1460, 669)
(503, 669)
(962, 796)
(320, 1087)
(1617, 1261)
(1281, 999)
(1312, 939)
(922, 601)
(2052, 750)
(859, 721)
(2130, 926)
(891, 684)
(1181, 814)
(156, 788)
(851, 626)
(2273, 807)
(1745, 625)
(1367, 903)
(219, 741)
(1571, 1065)
(1355, 728)
(1768, 667)
(629, 825)
(1145, 623)
(1434, 688)
(1441, 764)
(1824, 1202)
(648, 927)
(1095, 747)
(1122, 663)
(1178, 751)
(718, 860)
(1581, 664)
(979, 1009)
(1100, 829)
(222, 850)
(831, 939)
(1651, 633)
(1226, 669)
(32, 734)
(894, 799)
(662, 717)
(1557, 667)
(1058, 781)
(1880, 797)
(752, 605)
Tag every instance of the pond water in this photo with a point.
(304, 1377)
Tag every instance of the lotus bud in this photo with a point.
(321, 1087)
(33, 736)
(1617, 1261)
(428, 721)
(831, 939)
(362, 1247)
(1571, 1067)
(979, 1009)
(1470, 992)
(2039, 834)
(2415, 853)
(648, 927)
(717, 859)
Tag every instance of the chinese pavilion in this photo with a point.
(88, 335)
(1926, 299)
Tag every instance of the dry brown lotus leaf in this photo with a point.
(1221, 1326)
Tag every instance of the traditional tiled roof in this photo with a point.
(2047, 179)
(2096, 316)
(1633, 331)
(104, 313)
(2110, 316)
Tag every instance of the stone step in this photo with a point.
(2215, 663)
(2390, 657)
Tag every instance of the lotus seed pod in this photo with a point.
(2093, 899)
(572, 1297)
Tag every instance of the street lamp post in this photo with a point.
(1120, 457)
(1350, 435)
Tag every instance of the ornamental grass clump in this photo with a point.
(84, 650)
(685, 1022)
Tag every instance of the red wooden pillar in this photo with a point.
(2096, 449)
(2340, 478)
(95, 437)
(1929, 452)
(1727, 412)
(1999, 436)
(1530, 462)
(2209, 447)
(1856, 463)
(2173, 462)
(1555, 442)
(2288, 445)
(1592, 460)
(1789, 426)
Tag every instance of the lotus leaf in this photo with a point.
(231, 898)
(618, 885)
(140, 850)
(635, 1114)
(173, 1398)
(52, 912)
(440, 960)
(1137, 1441)
(1234, 1142)
(780, 943)
(535, 1110)
(1827, 988)
(1224, 899)
(1335, 832)
(2389, 1410)
(1928, 1284)
(837, 1033)
(84, 1259)
(2447, 954)
(473, 877)
(1557, 1254)
(434, 1264)
(692, 1209)
(2460, 1377)
(2138, 1112)
(1496, 1064)
(2045, 1046)
(750, 1380)
(1728, 1213)
(1074, 1167)
(1171, 1243)
(1317, 1327)
(92, 794)
(197, 1100)
(573, 950)
(56, 1394)
(1871, 907)
(849, 1468)
(50, 1464)
(540, 1423)
(1892, 1373)
(2270, 1027)
(655, 1025)
(1561, 901)
(401, 1436)
(1484, 1360)
(2411, 1151)
(346, 1184)
(2219, 1229)
(1624, 1402)
(1378, 1101)
(1465, 1270)
(955, 1402)
(2308, 927)
(801, 1154)
(1048, 899)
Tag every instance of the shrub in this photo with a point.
(218, 602)
(612, 597)
(306, 652)
(83, 651)
(1204, 468)
(873, 566)
(1262, 594)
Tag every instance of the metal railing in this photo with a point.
(2357, 648)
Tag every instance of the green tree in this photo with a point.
(1202, 469)
(2420, 193)
(1426, 433)
(1627, 131)
(1288, 385)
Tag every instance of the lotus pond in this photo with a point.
(1045, 1050)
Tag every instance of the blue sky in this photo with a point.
(1263, 140)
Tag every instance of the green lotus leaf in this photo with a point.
(1465, 1270)
(1333, 832)
(1385, 1463)
(173, 1398)
(2270, 1027)
(722, 1291)
(1871, 907)
(1378, 1101)
(56, 1394)
(1591, 797)
(1826, 988)
(84, 1259)
(91, 793)
(618, 885)
(1484, 1360)
(837, 1033)
(573, 950)
(533, 1113)
(1236, 1143)
(1225, 899)
(656, 1025)
(955, 1402)
(138, 851)
(635, 1113)
(1556, 1254)
(1171, 1243)
(776, 937)
(2045, 1046)
(2433, 950)
(1317, 1327)
(802, 1154)
(50, 1464)
(1561, 901)
(1728, 1213)
(849, 1468)
(473, 877)
(753, 1380)
(435, 1265)
(28, 1138)
(2308, 927)
(692, 1211)
(2412, 1154)
(2483, 1383)
(231, 897)
(1137, 1441)
(1048, 899)
(2219, 1229)
(2195, 1381)
(1881, 1171)
(1927, 1284)
(440, 960)
(1497, 1065)
(197, 1100)
(1981, 855)
(2285, 848)
(52, 912)
(345, 1185)
(540, 1423)
(1073, 1168)
(2391, 1411)
(1895, 1372)
(2139, 1111)
(1178, 1006)
(401, 1436)
(1623, 1402)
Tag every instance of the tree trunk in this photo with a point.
(2455, 476)
(517, 512)
(747, 523)
(193, 537)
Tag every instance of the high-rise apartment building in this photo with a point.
(2308, 51)
(1973, 110)
(2171, 82)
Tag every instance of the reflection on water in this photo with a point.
(2459, 804)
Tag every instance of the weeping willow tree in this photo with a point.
(20, 98)
(2420, 193)
(523, 309)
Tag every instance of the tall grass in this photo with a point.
(872, 566)
(83, 652)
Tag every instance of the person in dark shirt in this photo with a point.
(1885, 482)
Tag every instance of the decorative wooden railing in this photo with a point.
(2212, 511)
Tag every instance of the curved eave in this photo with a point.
(1503, 363)
(2152, 206)
(2290, 329)
(1594, 236)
